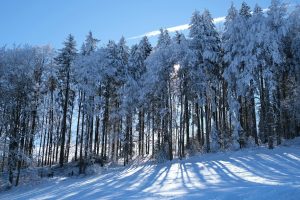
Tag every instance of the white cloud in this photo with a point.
(219, 20)
(174, 29)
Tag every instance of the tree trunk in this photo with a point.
(207, 121)
(64, 122)
(78, 122)
(187, 121)
(198, 122)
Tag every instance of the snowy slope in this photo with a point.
(248, 174)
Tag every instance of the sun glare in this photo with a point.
(176, 67)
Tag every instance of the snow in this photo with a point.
(256, 173)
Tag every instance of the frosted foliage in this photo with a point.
(90, 44)
(163, 39)
(204, 36)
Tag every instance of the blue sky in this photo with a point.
(40, 22)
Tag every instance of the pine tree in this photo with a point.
(65, 61)
(230, 40)
(158, 80)
(276, 22)
(205, 43)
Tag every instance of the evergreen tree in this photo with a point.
(230, 40)
(65, 61)
(205, 43)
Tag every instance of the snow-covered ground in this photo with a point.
(256, 173)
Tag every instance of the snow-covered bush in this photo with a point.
(250, 142)
(161, 152)
(194, 147)
(215, 143)
(93, 169)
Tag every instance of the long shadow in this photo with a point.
(149, 178)
(137, 191)
(146, 180)
(69, 185)
(227, 175)
(260, 168)
(184, 170)
(270, 168)
(236, 179)
(197, 169)
(291, 162)
(184, 184)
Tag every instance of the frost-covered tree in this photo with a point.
(88, 79)
(289, 82)
(65, 62)
(114, 78)
(205, 43)
(276, 22)
(184, 58)
(160, 67)
(229, 39)
(133, 95)
(120, 64)
(256, 64)
(22, 84)
(90, 44)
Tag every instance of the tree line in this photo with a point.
(213, 90)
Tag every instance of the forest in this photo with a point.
(213, 89)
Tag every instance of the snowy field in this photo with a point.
(248, 174)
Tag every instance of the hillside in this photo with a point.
(257, 173)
